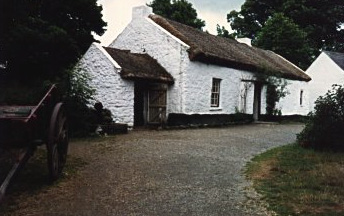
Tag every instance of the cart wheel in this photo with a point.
(57, 145)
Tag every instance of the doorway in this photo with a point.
(257, 100)
(150, 102)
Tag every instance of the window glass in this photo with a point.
(215, 93)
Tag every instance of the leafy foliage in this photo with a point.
(276, 89)
(281, 35)
(178, 10)
(78, 95)
(40, 39)
(325, 126)
(223, 32)
(319, 19)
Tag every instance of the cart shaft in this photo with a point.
(22, 159)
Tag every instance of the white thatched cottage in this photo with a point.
(198, 74)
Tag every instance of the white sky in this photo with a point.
(117, 14)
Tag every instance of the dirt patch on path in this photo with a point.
(177, 172)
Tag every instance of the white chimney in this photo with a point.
(142, 11)
(246, 41)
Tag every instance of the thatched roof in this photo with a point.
(139, 66)
(337, 57)
(226, 52)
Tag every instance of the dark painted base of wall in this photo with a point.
(283, 118)
(178, 119)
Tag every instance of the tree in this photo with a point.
(281, 35)
(178, 10)
(319, 19)
(41, 39)
(223, 32)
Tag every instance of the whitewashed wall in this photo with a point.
(290, 105)
(143, 35)
(192, 89)
(324, 73)
(198, 83)
(112, 91)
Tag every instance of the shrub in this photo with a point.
(325, 126)
(78, 93)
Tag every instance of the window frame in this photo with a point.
(215, 93)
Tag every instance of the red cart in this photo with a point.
(24, 128)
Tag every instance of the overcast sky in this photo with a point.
(117, 14)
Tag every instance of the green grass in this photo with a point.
(298, 181)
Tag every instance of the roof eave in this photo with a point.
(129, 75)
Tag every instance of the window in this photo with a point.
(301, 97)
(215, 93)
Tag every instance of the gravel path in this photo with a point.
(175, 172)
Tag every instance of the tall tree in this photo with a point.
(40, 39)
(178, 10)
(223, 32)
(319, 19)
(281, 35)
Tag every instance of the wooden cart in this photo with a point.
(24, 128)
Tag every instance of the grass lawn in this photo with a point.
(298, 181)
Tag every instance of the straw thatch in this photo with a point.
(226, 52)
(337, 57)
(139, 66)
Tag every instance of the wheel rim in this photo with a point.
(57, 145)
(55, 164)
(62, 142)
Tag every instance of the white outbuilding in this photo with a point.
(326, 70)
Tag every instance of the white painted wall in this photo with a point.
(324, 73)
(290, 105)
(112, 91)
(143, 35)
(198, 83)
(192, 88)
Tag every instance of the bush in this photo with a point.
(78, 93)
(325, 126)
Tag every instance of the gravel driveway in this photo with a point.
(173, 172)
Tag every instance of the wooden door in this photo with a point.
(157, 105)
